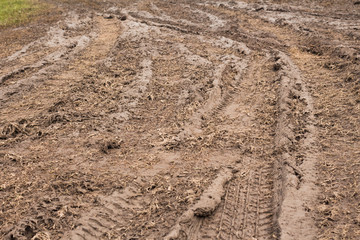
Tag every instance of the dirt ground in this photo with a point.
(186, 119)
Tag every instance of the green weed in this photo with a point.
(15, 12)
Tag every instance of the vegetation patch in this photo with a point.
(15, 12)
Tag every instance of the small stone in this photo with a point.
(123, 18)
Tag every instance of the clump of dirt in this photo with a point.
(10, 130)
(107, 145)
(206, 205)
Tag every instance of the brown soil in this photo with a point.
(181, 120)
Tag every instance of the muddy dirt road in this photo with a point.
(184, 119)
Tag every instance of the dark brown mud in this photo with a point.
(182, 120)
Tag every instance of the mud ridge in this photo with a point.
(295, 137)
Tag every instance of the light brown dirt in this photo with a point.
(183, 119)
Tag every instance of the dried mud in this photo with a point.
(182, 120)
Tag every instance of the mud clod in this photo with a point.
(10, 130)
(206, 206)
(108, 145)
(277, 67)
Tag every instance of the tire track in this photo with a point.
(112, 214)
(55, 47)
(246, 212)
(218, 95)
(247, 209)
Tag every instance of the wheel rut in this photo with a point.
(110, 216)
(52, 49)
(247, 208)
